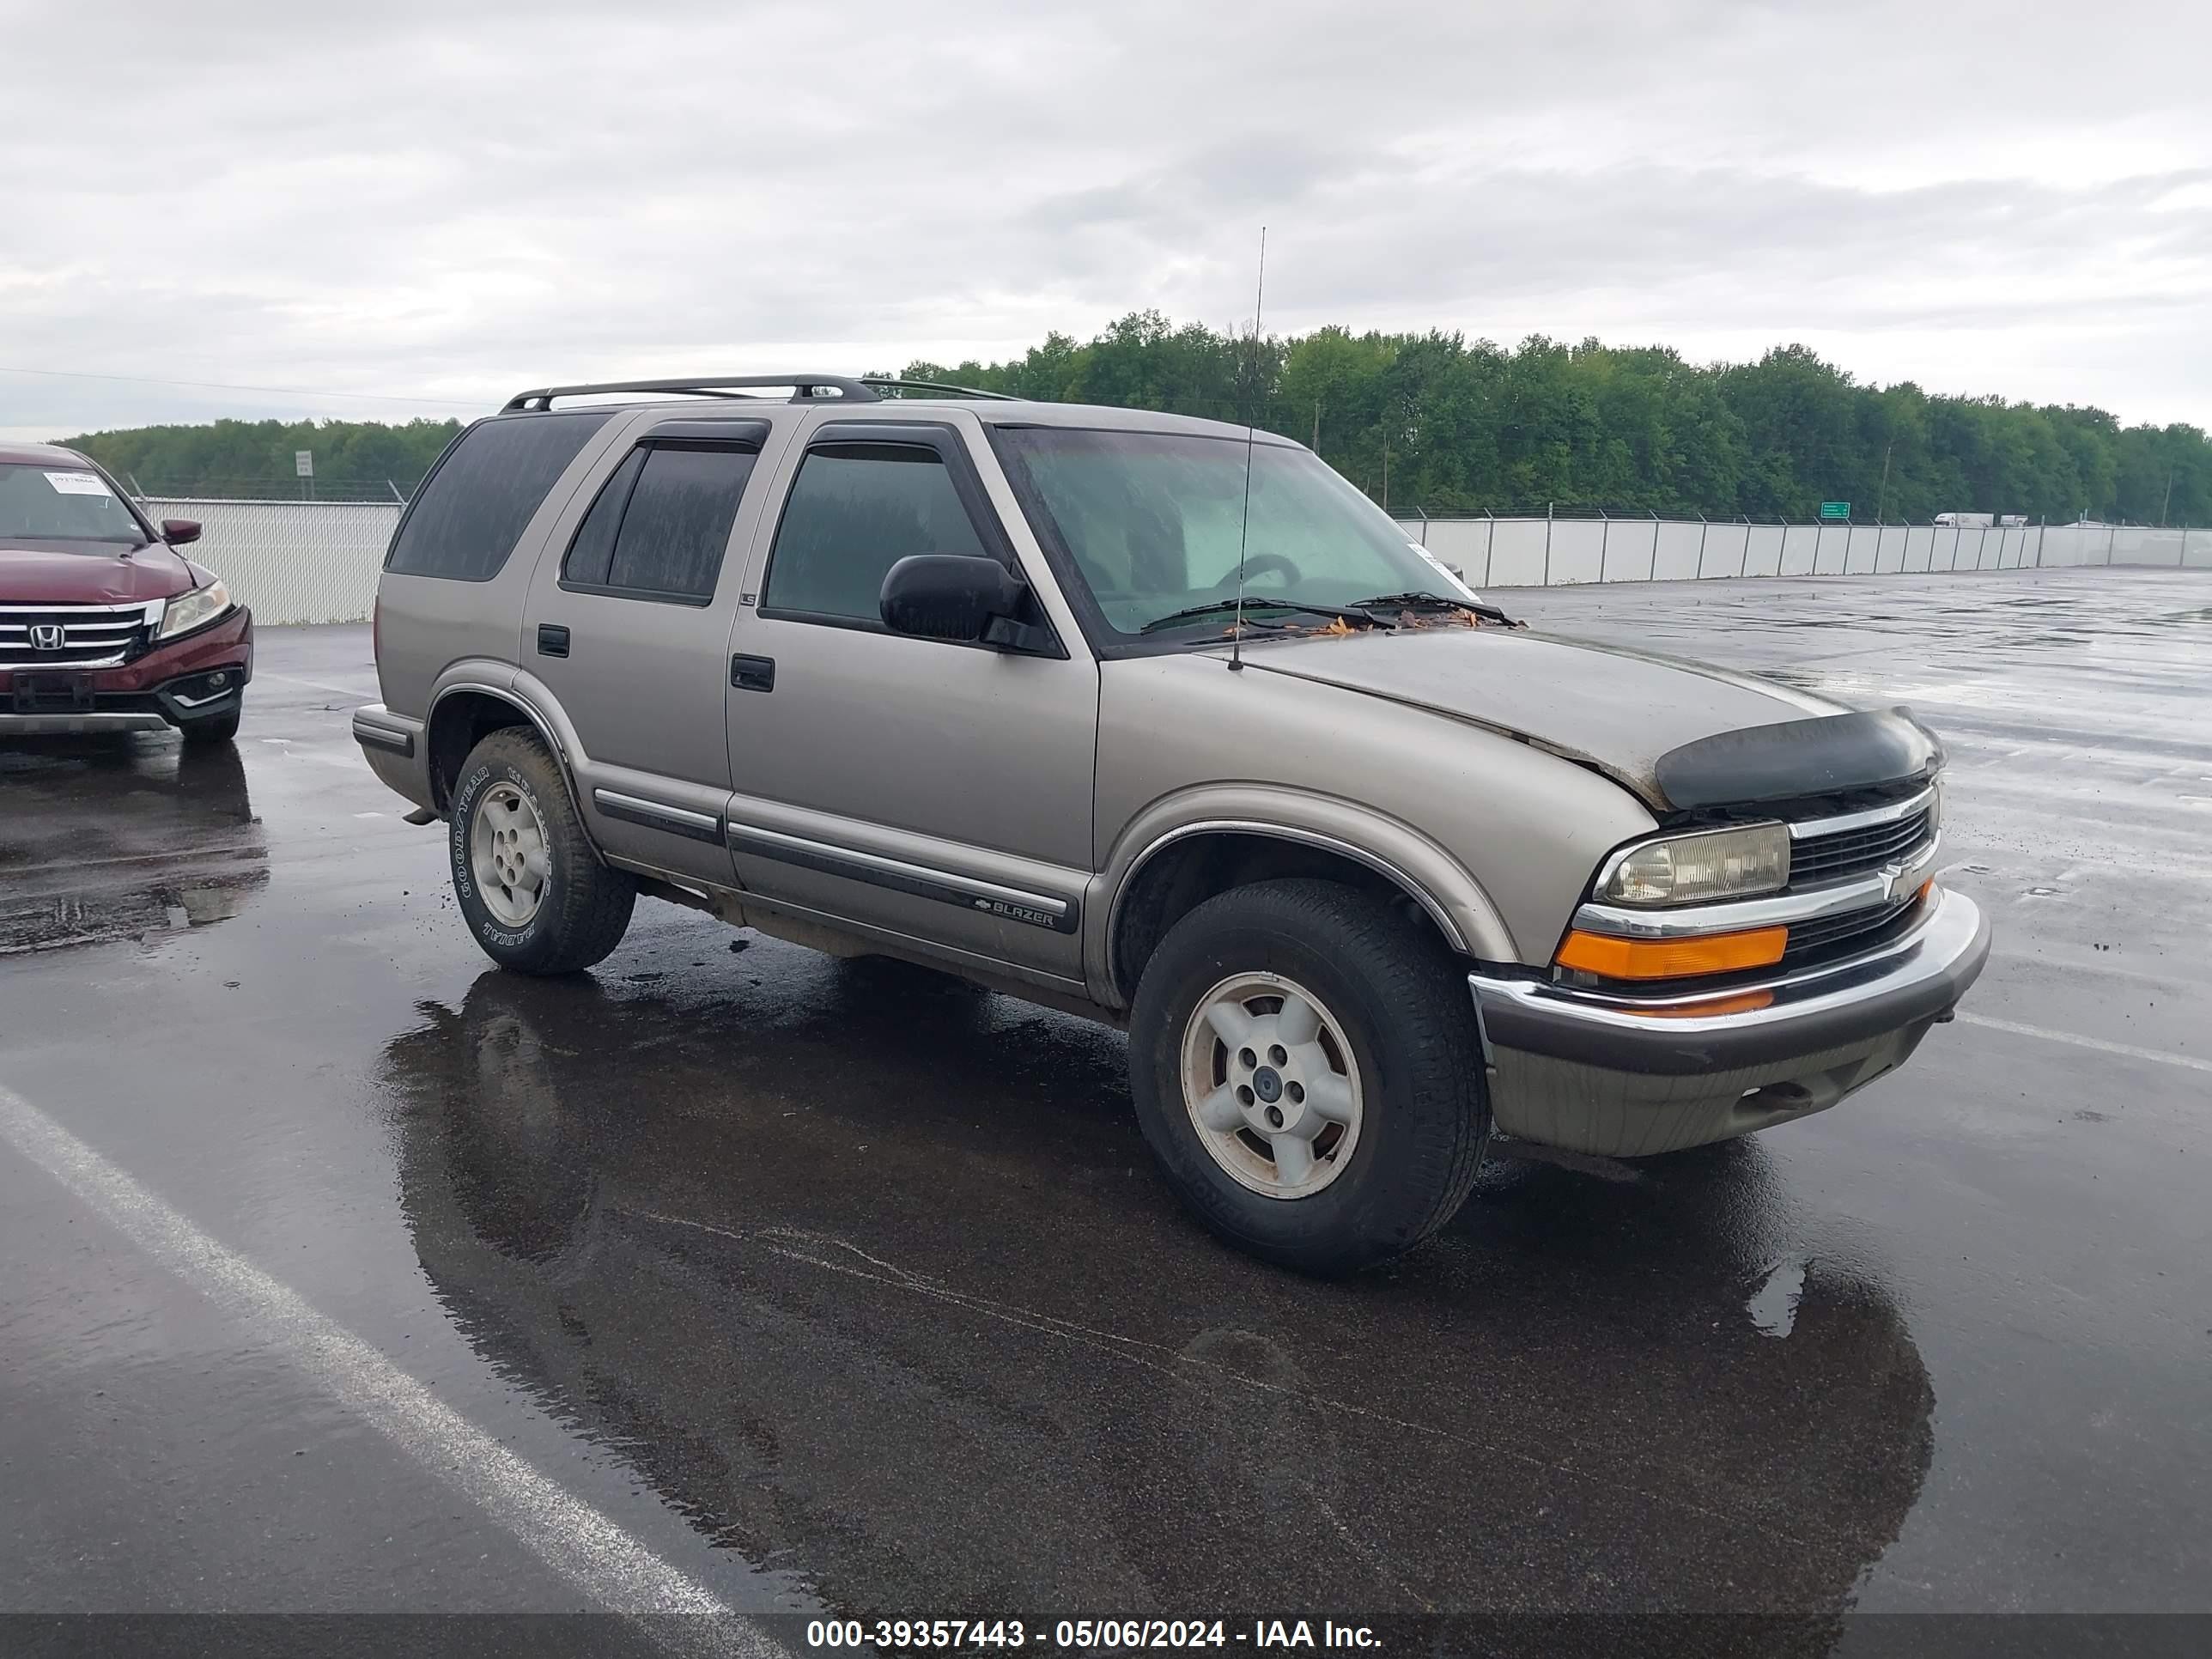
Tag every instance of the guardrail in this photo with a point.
(1553, 552)
(317, 561)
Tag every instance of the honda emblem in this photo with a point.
(46, 636)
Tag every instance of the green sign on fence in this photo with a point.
(1835, 509)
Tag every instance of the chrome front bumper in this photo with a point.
(1603, 1073)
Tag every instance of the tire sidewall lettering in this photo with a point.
(463, 819)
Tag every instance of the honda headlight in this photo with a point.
(1712, 864)
(194, 609)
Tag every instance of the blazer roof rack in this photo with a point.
(892, 383)
(805, 388)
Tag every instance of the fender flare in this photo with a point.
(502, 683)
(1450, 896)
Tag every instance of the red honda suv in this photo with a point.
(104, 626)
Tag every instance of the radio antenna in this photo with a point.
(1251, 388)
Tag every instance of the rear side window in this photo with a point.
(855, 510)
(660, 524)
(471, 510)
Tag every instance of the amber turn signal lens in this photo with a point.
(1672, 958)
(1746, 1002)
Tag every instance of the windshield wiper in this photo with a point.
(1221, 607)
(1417, 598)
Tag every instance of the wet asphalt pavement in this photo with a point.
(839, 1286)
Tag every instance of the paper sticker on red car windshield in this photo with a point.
(79, 483)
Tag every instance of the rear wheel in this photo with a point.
(1305, 1068)
(529, 881)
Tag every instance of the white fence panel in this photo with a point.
(1520, 560)
(1730, 553)
(2140, 546)
(1861, 551)
(1677, 550)
(1527, 552)
(1793, 548)
(1463, 543)
(1628, 549)
(1574, 552)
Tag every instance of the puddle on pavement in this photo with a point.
(838, 1256)
(109, 839)
(92, 918)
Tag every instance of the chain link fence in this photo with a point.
(293, 562)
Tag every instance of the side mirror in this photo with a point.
(957, 596)
(178, 531)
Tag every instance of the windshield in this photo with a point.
(1152, 521)
(59, 503)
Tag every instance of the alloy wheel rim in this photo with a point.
(1271, 1085)
(509, 855)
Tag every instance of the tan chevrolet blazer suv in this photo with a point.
(1160, 720)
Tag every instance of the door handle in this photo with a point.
(753, 673)
(552, 639)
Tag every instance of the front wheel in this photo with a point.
(214, 731)
(529, 884)
(1305, 1068)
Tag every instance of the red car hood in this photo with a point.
(48, 573)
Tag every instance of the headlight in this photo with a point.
(189, 611)
(1713, 864)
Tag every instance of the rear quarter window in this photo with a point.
(465, 519)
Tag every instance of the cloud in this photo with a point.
(446, 203)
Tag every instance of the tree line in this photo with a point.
(358, 459)
(1435, 422)
(1440, 423)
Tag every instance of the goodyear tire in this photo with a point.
(529, 884)
(1306, 1068)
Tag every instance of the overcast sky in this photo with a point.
(443, 202)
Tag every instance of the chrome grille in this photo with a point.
(1827, 938)
(1843, 853)
(74, 636)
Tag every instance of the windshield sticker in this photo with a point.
(1444, 570)
(79, 483)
